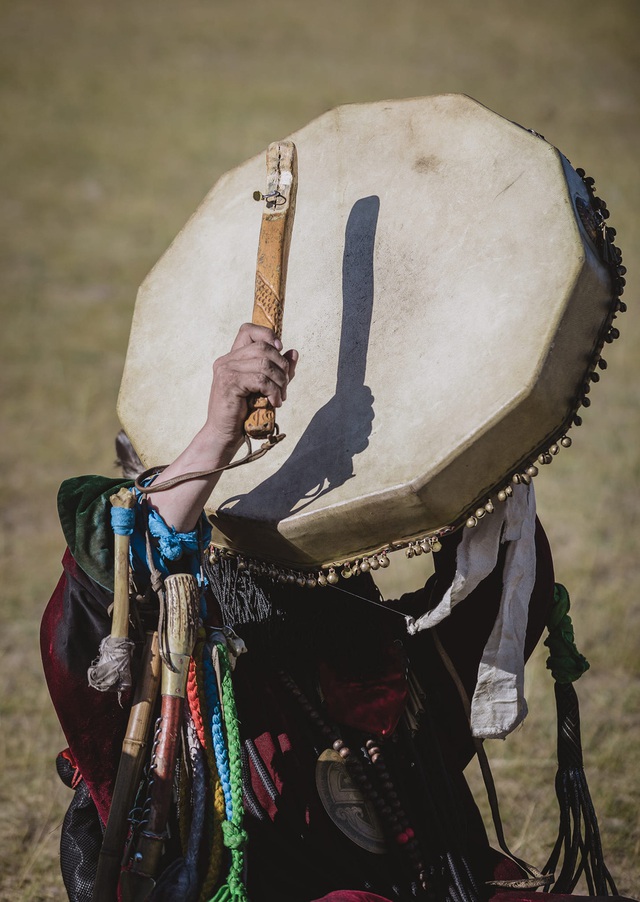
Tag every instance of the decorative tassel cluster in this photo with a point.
(578, 839)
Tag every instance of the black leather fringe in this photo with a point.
(578, 845)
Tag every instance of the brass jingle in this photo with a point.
(374, 563)
(525, 478)
(515, 479)
(426, 547)
(565, 441)
(409, 552)
(532, 471)
(384, 560)
(322, 579)
(301, 581)
(347, 572)
(332, 577)
(291, 579)
(311, 582)
(509, 490)
(471, 522)
(480, 513)
(365, 566)
(502, 495)
(489, 506)
(436, 546)
(417, 550)
(554, 449)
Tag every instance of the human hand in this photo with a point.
(255, 365)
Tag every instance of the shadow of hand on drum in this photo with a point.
(322, 459)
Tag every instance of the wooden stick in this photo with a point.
(273, 258)
(181, 626)
(133, 755)
(120, 617)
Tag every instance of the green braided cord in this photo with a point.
(565, 661)
(235, 837)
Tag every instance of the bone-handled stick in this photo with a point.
(177, 639)
(125, 498)
(271, 266)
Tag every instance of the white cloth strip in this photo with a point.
(498, 704)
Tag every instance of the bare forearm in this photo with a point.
(182, 505)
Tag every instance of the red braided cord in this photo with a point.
(193, 696)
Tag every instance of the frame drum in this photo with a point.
(451, 284)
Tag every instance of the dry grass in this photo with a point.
(117, 118)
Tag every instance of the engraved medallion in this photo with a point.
(345, 804)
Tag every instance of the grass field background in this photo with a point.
(117, 117)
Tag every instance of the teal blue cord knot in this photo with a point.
(123, 519)
(234, 837)
(171, 544)
(565, 661)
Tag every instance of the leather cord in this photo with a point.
(201, 474)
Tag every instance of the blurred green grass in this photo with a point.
(117, 117)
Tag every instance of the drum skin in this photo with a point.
(448, 306)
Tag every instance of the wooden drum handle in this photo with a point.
(271, 267)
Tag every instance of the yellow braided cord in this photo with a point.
(215, 813)
(217, 847)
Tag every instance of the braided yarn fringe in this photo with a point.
(235, 837)
(213, 813)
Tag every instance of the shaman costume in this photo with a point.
(327, 762)
(340, 675)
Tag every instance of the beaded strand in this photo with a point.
(384, 798)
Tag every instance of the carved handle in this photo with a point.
(271, 267)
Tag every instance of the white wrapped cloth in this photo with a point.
(498, 703)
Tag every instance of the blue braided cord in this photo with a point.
(123, 520)
(217, 732)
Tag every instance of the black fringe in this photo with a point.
(578, 835)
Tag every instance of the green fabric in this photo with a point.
(85, 515)
(565, 661)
